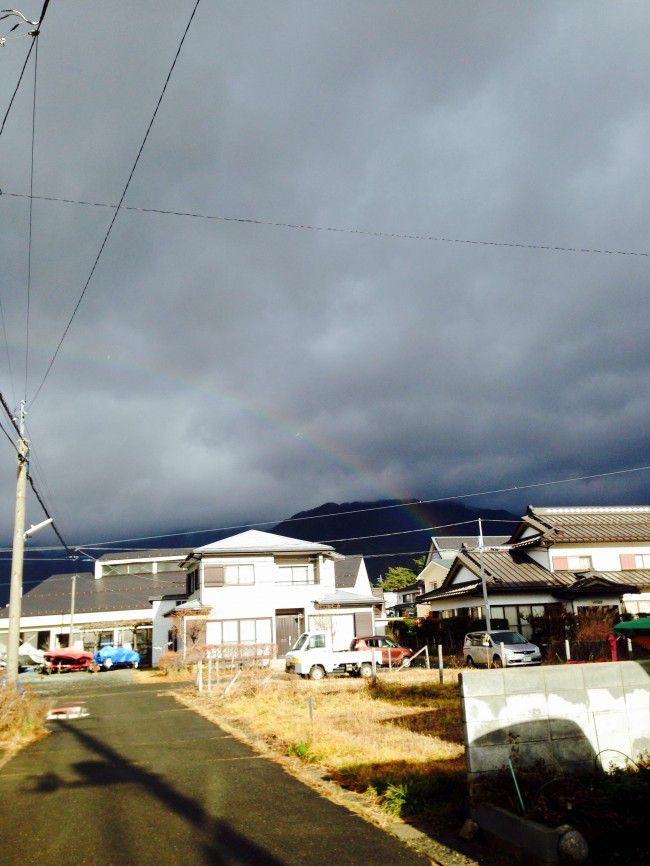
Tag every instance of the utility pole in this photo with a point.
(72, 599)
(486, 601)
(18, 550)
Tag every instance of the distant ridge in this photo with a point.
(407, 516)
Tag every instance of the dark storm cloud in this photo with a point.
(220, 371)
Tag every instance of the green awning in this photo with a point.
(633, 626)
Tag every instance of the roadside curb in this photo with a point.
(317, 779)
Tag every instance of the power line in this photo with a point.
(33, 33)
(342, 229)
(6, 341)
(9, 414)
(119, 204)
(518, 487)
(71, 553)
(495, 491)
(13, 444)
(31, 203)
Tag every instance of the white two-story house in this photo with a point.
(261, 589)
(576, 557)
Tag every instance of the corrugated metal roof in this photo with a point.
(588, 524)
(112, 593)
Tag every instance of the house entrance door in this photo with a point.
(289, 625)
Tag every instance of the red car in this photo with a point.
(386, 647)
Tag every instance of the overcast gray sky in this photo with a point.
(221, 371)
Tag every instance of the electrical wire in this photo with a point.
(516, 487)
(118, 206)
(31, 203)
(6, 342)
(16, 88)
(375, 233)
(34, 33)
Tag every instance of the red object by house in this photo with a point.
(611, 638)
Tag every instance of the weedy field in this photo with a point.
(22, 719)
(397, 739)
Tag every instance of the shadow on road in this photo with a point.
(223, 846)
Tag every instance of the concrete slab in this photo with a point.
(528, 706)
(603, 674)
(524, 680)
(608, 699)
(490, 708)
(563, 677)
(481, 682)
(635, 673)
(566, 704)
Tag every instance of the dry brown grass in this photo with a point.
(398, 740)
(22, 719)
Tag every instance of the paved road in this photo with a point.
(143, 781)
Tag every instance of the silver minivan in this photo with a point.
(485, 648)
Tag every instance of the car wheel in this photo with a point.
(365, 670)
(406, 662)
(135, 665)
(469, 662)
(107, 664)
(496, 662)
(317, 672)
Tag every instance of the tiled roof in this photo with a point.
(627, 577)
(112, 593)
(587, 524)
(511, 567)
(346, 571)
(134, 555)
(453, 592)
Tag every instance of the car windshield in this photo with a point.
(390, 642)
(300, 642)
(508, 637)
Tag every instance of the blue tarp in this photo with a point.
(117, 654)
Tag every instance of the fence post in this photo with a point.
(209, 674)
(218, 673)
(440, 665)
(629, 648)
(374, 664)
(504, 661)
(426, 653)
(390, 660)
(199, 676)
(567, 649)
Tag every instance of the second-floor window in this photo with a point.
(635, 560)
(239, 575)
(296, 574)
(572, 563)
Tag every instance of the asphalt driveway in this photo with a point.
(142, 780)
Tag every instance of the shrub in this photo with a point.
(22, 717)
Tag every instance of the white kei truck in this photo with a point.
(312, 656)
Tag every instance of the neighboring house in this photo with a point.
(440, 557)
(405, 605)
(113, 605)
(262, 589)
(574, 557)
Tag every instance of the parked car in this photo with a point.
(313, 656)
(388, 651)
(484, 648)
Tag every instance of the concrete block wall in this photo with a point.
(568, 716)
